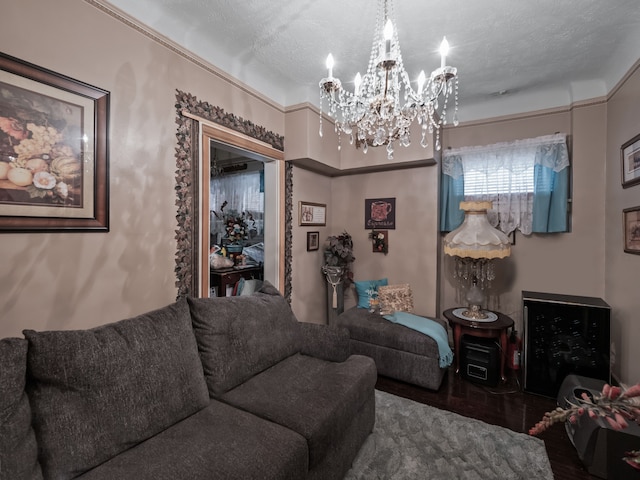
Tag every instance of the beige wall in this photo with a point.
(302, 124)
(308, 296)
(412, 253)
(304, 142)
(412, 256)
(622, 269)
(78, 280)
(568, 263)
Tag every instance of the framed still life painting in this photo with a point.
(53, 151)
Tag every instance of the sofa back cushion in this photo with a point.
(18, 448)
(98, 392)
(239, 337)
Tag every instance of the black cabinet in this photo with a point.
(564, 334)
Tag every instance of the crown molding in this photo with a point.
(169, 44)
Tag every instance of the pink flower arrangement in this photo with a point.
(616, 406)
(235, 226)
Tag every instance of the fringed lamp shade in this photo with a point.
(476, 238)
(474, 244)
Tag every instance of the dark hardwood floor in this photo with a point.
(505, 405)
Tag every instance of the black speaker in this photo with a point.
(480, 360)
(599, 446)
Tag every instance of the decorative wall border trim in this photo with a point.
(187, 180)
(288, 225)
(187, 202)
(186, 101)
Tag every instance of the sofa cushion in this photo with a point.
(239, 337)
(98, 392)
(368, 289)
(219, 441)
(394, 298)
(319, 404)
(324, 341)
(18, 449)
(268, 289)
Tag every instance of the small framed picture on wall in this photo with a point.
(380, 213)
(631, 223)
(313, 241)
(630, 160)
(312, 214)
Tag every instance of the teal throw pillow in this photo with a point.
(367, 289)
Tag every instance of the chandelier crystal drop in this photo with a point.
(383, 105)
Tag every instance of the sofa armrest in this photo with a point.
(322, 341)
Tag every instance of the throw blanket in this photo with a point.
(429, 327)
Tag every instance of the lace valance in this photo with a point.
(549, 151)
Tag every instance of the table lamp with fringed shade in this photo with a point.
(474, 245)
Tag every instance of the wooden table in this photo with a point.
(229, 276)
(496, 329)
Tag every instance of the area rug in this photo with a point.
(415, 441)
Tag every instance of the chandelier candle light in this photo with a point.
(475, 244)
(383, 104)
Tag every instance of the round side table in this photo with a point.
(496, 329)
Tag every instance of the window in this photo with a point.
(527, 181)
(243, 192)
(518, 179)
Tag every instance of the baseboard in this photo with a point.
(615, 380)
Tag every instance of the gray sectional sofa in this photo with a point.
(220, 388)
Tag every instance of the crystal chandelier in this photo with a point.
(383, 104)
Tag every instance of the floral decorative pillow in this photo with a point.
(368, 289)
(395, 298)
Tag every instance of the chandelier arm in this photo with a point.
(386, 84)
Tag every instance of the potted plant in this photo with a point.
(338, 257)
(338, 252)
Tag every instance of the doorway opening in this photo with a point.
(220, 156)
(236, 222)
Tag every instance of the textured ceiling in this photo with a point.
(511, 55)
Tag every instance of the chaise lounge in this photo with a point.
(399, 352)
